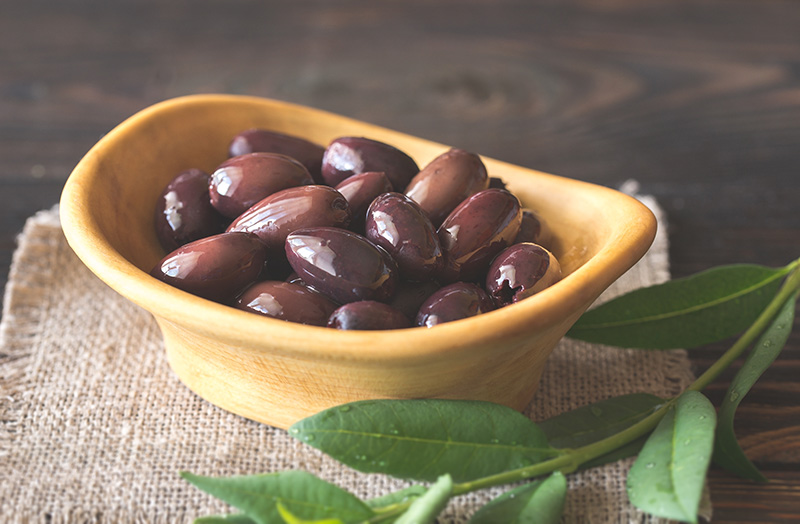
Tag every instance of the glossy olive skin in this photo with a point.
(397, 224)
(184, 212)
(286, 301)
(263, 141)
(446, 182)
(411, 295)
(241, 181)
(350, 155)
(360, 190)
(453, 302)
(218, 267)
(368, 315)
(341, 264)
(273, 218)
(520, 271)
(477, 230)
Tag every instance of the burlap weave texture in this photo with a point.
(94, 426)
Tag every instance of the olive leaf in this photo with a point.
(683, 313)
(234, 518)
(588, 424)
(727, 452)
(396, 497)
(667, 478)
(423, 439)
(289, 518)
(540, 502)
(626, 450)
(303, 494)
(424, 509)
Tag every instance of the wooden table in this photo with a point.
(698, 101)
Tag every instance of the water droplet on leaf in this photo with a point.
(344, 409)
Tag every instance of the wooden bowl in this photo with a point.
(279, 372)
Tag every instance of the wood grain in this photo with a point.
(698, 100)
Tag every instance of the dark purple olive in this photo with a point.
(368, 315)
(263, 141)
(273, 218)
(348, 156)
(454, 302)
(184, 212)
(285, 301)
(530, 229)
(360, 190)
(217, 267)
(521, 271)
(410, 295)
(397, 224)
(241, 181)
(446, 182)
(496, 183)
(341, 264)
(476, 231)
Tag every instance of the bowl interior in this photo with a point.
(108, 216)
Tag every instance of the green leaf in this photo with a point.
(683, 313)
(588, 424)
(540, 502)
(727, 452)
(628, 450)
(396, 497)
(305, 495)
(235, 518)
(423, 439)
(425, 509)
(667, 478)
(289, 518)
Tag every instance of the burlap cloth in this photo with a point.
(94, 426)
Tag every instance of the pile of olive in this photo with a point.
(290, 230)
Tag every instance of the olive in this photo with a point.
(263, 141)
(341, 264)
(521, 271)
(446, 182)
(397, 224)
(287, 301)
(273, 218)
(348, 156)
(531, 229)
(218, 267)
(496, 183)
(241, 181)
(184, 212)
(409, 296)
(454, 302)
(360, 190)
(477, 230)
(368, 315)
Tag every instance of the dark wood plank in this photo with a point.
(699, 101)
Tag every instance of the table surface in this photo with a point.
(698, 101)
